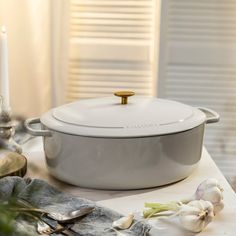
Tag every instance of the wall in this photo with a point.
(28, 26)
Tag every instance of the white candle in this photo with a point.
(4, 82)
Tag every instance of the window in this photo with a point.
(198, 67)
(111, 47)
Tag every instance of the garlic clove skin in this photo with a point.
(218, 207)
(210, 190)
(124, 222)
(192, 223)
(196, 215)
(201, 204)
(208, 185)
(212, 194)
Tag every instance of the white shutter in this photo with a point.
(111, 47)
(198, 67)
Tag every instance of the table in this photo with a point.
(224, 223)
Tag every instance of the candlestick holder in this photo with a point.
(7, 131)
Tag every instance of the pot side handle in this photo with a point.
(211, 116)
(36, 132)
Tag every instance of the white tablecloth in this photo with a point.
(224, 223)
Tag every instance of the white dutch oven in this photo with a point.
(102, 143)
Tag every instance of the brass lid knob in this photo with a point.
(124, 95)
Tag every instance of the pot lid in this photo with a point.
(107, 117)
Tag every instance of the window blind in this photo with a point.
(198, 67)
(110, 47)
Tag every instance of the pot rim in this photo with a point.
(46, 132)
(55, 119)
(138, 137)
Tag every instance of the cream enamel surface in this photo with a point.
(106, 163)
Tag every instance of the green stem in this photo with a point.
(159, 207)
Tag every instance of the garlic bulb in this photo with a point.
(196, 212)
(124, 222)
(210, 190)
(196, 215)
